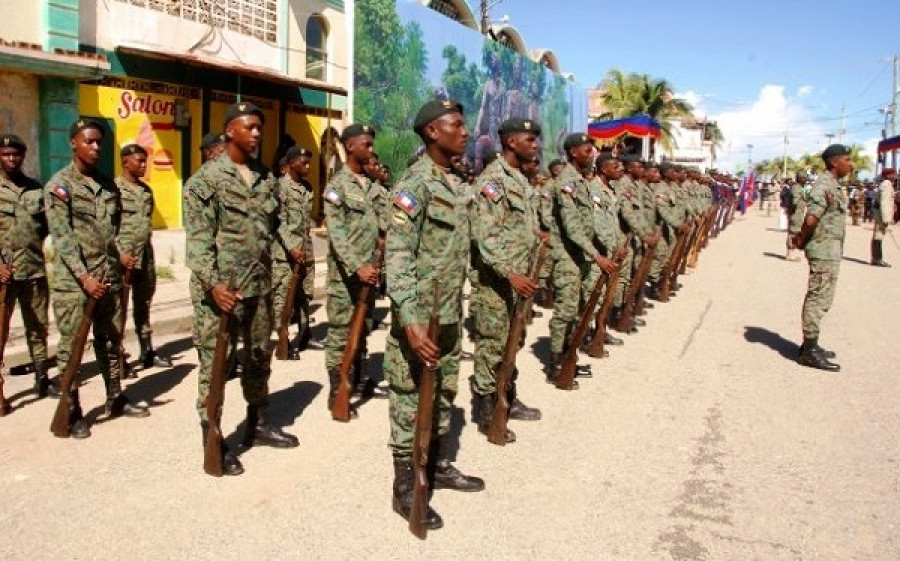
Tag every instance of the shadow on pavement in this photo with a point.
(855, 260)
(541, 349)
(451, 441)
(787, 349)
(151, 387)
(284, 407)
(775, 255)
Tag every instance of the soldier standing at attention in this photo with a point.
(134, 241)
(231, 213)
(353, 234)
(84, 213)
(292, 242)
(572, 247)
(506, 232)
(883, 214)
(822, 236)
(23, 228)
(428, 239)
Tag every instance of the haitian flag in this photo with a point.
(746, 194)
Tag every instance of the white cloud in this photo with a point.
(763, 124)
(696, 101)
(805, 89)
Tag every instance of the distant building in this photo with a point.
(692, 146)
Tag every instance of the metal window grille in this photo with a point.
(256, 18)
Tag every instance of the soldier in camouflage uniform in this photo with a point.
(671, 215)
(84, 213)
(352, 213)
(428, 240)
(822, 237)
(134, 241)
(506, 232)
(23, 227)
(572, 247)
(294, 245)
(231, 214)
(797, 213)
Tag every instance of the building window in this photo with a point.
(316, 48)
(256, 18)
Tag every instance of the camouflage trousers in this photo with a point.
(252, 320)
(823, 275)
(626, 273)
(33, 299)
(594, 272)
(496, 305)
(143, 287)
(68, 307)
(281, 280)
(568, 277)
(339, 308)
(660, 255)
(402, 368)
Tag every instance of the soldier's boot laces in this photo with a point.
(812, 356)
(259, 431)
(484, 412)
(231, 465)
(401, 502)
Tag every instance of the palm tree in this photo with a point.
(861, 162)
(626, 95)
(713, 134)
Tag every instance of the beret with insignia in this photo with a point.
(132, 148)
(576, 139)
(12, 141)
(629, 158)
(434, 110)
(603, 158)
(352, 131)
(556, 162)
(295, 152)
(835, 150)
(240, 109)
(510, 126)
(210, 139)
(82, 124)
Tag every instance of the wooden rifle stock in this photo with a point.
(60, 425)
(633, 293)
(424, 419)
(340, 409)
(665, 278)
(6, 309)
(287, 312)
(126, 295)
(565, 379)
(496, 433)
(212, 452)
(597, 347)
(685, 251)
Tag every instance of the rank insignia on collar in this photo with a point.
(567, 189)
(406, 202)
(61, 193)
(332, 197)
(491, 191)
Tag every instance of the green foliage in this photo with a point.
(164, 272)
(463, 82)
(812, 163)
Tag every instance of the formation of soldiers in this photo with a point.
(614, 229)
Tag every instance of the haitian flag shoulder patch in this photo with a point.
(332, 196)
(406, 202)
(61, 193)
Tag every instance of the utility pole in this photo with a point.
(784, 156)
(894, 93)
(749, 158)
(841, 130)
(485, 17)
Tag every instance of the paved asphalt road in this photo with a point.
(700, 439)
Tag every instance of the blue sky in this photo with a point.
(757, 68)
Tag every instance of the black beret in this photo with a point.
(665, 166)
(651, 165)
(603, 158)
(295, 152)
(519, 125)
(835, 150)
(210, 139)
(355, 130)
(435, 110)
(556, 162)
(12, 141)
(82, 124)
(132, 148)
(629, 158)
(240, 109)
(576, 139)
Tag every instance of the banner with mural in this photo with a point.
(407, 54)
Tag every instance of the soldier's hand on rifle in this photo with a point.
(607, 265)
(544, 235)
(651, 240)
(225, 299)
(128, 261)
(685, 228)
(368, 274)
(298, 254)
(522, 284)
(425, 348)
(92, 285)
(5, 273)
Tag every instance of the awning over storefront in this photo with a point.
(889, 144)
(241, 69)
(640, 126)
(33, 59)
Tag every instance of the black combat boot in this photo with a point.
(231, 465)
(518, 411)
(149, 357)
(812, 357)
(827, 354)
(446, 476)
(363, 385)
(652, 293)
(608, 339)
(117, 405)
(648, 291)
(404, 482)
(78, 426)
(484, 412)
(43, 385)
(878, 255)
(258, 430)
(612, 319)
(638, 322)
(552, 370)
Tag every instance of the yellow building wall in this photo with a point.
(144, 112)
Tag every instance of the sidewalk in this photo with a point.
(171, 311)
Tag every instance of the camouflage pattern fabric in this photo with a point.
(134, 239)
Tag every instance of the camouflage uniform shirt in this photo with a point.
(23, 227)
(826, 202)
(137, 220)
